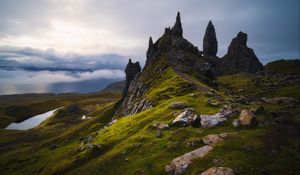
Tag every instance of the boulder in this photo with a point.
(213, 138)
(178, 105)
(180, 164)
(185, 118)
(247, 118)
(218, 171)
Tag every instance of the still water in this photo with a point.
(32, 121)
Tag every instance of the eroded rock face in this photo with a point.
(180, 164)
(239, 58)
(210, 43)
(132, 69)
(218, 171)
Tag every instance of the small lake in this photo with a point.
(31, 122)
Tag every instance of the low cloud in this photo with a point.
(35, 59)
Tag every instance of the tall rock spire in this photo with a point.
(131, 70)
(210, 43)
(177, 28)
(149, 51)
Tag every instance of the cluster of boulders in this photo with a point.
(181, 163)
(189, 117)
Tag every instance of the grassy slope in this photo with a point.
(131, 146)
(284, 66)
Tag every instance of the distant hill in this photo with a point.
(284, 66)
(116, 87)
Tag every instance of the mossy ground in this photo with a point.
(130, 146)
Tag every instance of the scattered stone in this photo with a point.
(214, 104)
(218, 171)
(193, 95)
(209, 94)
(236, 123)
(178, 105)
(213, 138)
(247, 118)
(215, 119)
(159, 133)
(160, 126)
(112, 122)
(180, 164)
(184, 118)
(85, 117)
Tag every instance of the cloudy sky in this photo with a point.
(120, 28)
(89, 35)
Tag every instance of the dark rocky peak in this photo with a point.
(132, 69)
(210, 43)
(239, 58)
(239, 42)
(177, 28)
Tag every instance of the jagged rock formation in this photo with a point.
(170, 50)
(177, 28)
(132, 69)
(210, 43)
(239, 58)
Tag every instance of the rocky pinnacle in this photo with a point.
(132, 69)
(177, 28)
(210, 43)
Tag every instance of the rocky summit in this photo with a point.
(239, 58)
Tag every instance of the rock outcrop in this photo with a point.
(132, 69)
(210, 43)
(239, 58)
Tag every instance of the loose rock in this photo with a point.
(247, 118)
(180, 164)
(218, 171)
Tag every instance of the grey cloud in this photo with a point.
(16, 57)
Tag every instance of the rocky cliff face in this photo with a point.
(210, 43)
(132, 69)
(239, 58)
